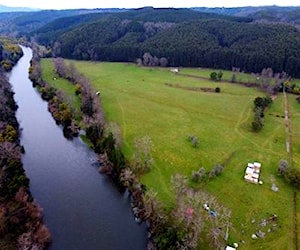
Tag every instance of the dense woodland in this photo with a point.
(184, 37)
(21, 224)
(248, 38)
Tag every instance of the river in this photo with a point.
(82, 209)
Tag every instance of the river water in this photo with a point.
(83, 209)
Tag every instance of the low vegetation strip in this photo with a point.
(295, 214)
(204, 89)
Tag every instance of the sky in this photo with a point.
(75, 4)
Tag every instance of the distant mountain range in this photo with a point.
(4, 8)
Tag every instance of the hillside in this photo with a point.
(20, 23)
(273, 13)
(4, 8)
(183, 36)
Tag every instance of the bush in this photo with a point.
(194, 140)
(215, 171)
(199, 175)
(282, 167)
(214, 76)
(217, 90)
(292, 175)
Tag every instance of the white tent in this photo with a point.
(230, 248)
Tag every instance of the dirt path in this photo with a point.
(288, 129)
(289, 151)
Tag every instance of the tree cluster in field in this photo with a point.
(201, 174)
(216, 76)
(20, 218)
(291, 175)
(149, 60)
(196, 214)
(260, 104)
(183, 37)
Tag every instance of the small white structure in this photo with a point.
(174, 70)
(252, 172)
(230, 248)
(98, 93)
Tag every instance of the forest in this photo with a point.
(247, 38)
(184, 37)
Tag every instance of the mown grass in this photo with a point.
(138, 99)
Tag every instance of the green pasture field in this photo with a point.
(59, 83)
(227, 74)
(139, 100)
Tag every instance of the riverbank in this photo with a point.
(21, 220)
(82, 209)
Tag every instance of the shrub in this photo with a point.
(214, 76)
(292, 175)
(282, 167)
(215, 171)
(77, 89)
(199, 175)
(217, 90)
(194, 140)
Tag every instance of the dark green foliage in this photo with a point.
(184, 37)
(260, 104)
(214, 76)
(220, 75)
(114, 153)
(292, 175)
(94, 132)
(257, 125)
(217, 89)
(48, 93)
(167, 236)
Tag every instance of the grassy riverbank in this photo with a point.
(141, 102)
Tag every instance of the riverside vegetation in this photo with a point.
(21, 224)
(132, 96)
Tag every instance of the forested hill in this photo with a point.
(25, 22)
(289, 14)
(182, 36)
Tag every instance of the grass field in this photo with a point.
(59, 83)
(138, 99)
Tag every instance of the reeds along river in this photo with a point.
(82, 209)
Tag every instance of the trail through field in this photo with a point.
(244, 116)
(124, 121)
(289, 151)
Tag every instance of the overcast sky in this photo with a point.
(67, 4)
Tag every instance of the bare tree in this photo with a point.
(197, 212)
(142, 159)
